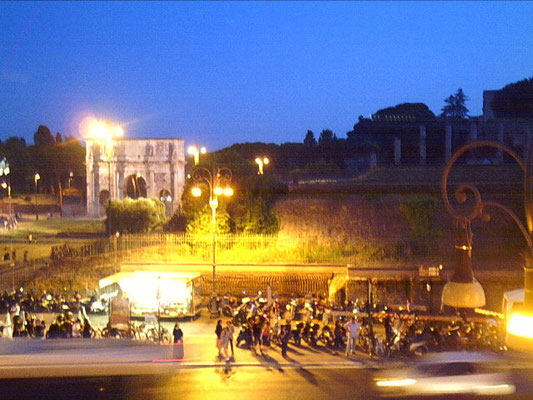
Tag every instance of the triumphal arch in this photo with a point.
(134, 168)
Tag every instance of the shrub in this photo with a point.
(419, 212)
(135, 216)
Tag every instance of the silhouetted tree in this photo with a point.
(455, 105)
(310, 140)
(42, 137)
(514, 100)
(59, 138)
(326, 138)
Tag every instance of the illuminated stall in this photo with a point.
(168, 294)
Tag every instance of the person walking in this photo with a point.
(224, 342)
(284, 336)
(265, 338)
(218, 332)
(352, 329)
(177, 334)
(231, 333)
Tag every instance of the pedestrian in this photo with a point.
(177, 333)
(87, 329)
(76, 329)
(285, 336)
(265, 338)
(256, 333)
(231, 332)
(218, 332)
(224, 343)
(352, 329)
(338, 333)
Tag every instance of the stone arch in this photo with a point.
(135, 186)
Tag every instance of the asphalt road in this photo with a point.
(222, 382)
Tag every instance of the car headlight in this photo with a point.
(396, 382)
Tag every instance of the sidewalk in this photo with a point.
(200, 351)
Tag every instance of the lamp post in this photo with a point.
(4, 171)
(261, 162)
(36, 178)
(463, 288)
(217, 180)
(195, 151)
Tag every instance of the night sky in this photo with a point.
(218, 73)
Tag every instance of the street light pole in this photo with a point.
(217, 180)
(464, 272)
(261, 162)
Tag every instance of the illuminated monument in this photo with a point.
(134, 168)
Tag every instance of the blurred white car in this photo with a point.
(448, 374)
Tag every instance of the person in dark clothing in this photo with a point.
(285, 336)
(40, 328)
(256, 333)
(218, 332)
(87, 329)
(338, 333)
(177, 333)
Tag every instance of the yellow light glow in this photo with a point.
(521, 325)
(228, 191)
(4, 185)
(266, 160)
(396, 382)
(37, 177)
(192, 150)
(203, 150)
(218, 191)
(101, 131)
(118, 131)
(258, 160)
(196, 191)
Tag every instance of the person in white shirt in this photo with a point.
(352, 329)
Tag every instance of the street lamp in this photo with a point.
(36, 178)
(217, 181)
(4, 171)
(261, 162)
(463, 290)
(195, 152)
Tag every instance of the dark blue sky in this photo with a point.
(219, 73)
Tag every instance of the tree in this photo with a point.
(455, 105)
(42, 137)
(135, 215)
(326, 138)
(59, 138)
(310, 141)
(20, 162)
(250, 209)
(404, 112)
(514, 100)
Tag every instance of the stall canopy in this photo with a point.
(151, 289)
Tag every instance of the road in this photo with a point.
(109, 369)
(222, 382)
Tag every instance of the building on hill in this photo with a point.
(398, 137)
(134, 168)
